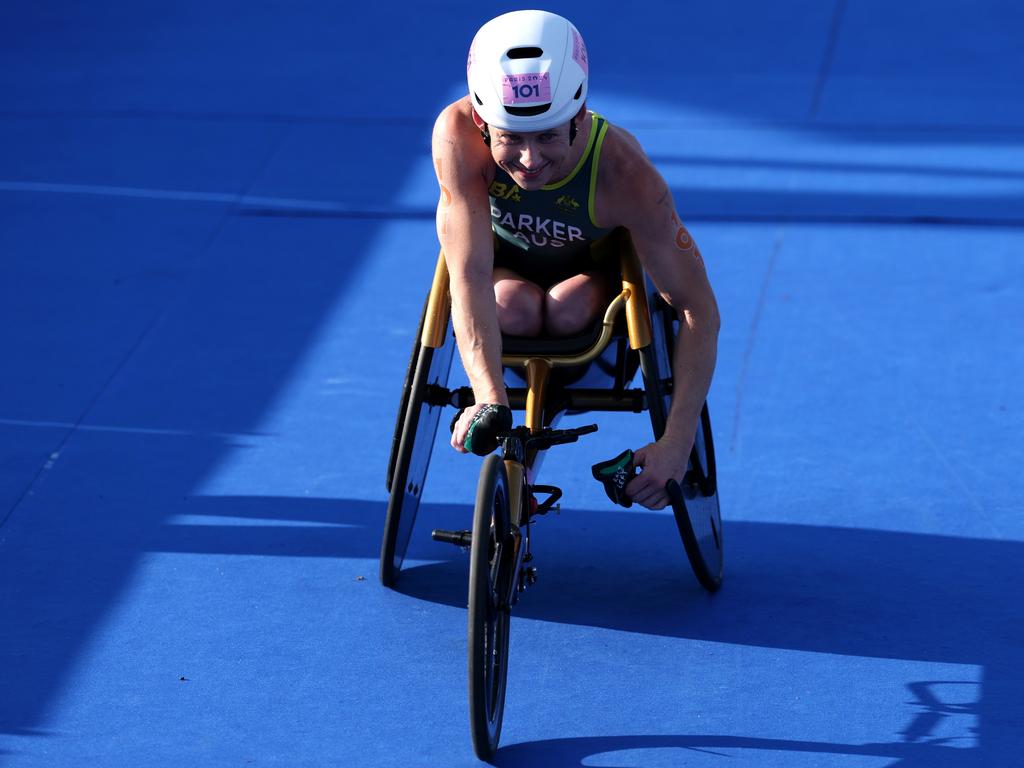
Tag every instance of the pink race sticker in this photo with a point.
(579, 52)
(534, 88)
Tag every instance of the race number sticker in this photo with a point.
(579, 52)
(534, 88)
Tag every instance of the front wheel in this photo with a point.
(490, 578)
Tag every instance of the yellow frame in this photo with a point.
(633, 297)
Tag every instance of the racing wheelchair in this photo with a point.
(590, 372)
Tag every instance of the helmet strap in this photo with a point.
(572, 131)
(486, 133)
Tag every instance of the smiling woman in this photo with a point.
(526, 156)
(527, 213)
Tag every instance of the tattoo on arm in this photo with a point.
(684, 241)
(446, 195)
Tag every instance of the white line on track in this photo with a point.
(125, 430)
(219, 198)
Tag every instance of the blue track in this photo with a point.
(215, 238)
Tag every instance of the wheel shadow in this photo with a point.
(831, 590)
(855, 592)
(582, 751)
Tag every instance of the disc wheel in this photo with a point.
(490, 588)
(403, 405)
(695, 504)
(419, 413)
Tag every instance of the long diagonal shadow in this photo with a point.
(855, 592)
(826, 590)
(831, 590)
(581, 751)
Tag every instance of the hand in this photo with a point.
(661, 462)
(461, 427)
(477, 429)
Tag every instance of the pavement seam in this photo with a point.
(154, 321)
(958, 479)
(762, 300)
(55, 452)
(830, 52)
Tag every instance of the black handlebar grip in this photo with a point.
(490, 423)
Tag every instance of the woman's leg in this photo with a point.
(520, 304)
(572, 305)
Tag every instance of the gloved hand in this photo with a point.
(486, 424)
(614, 474)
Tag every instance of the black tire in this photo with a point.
(695, 505)
(413, 444)
(490, 586)
(403, 405)
(697, 512)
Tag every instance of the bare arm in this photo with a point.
(673, 261)
(464, 229)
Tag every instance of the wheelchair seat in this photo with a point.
(543, 346)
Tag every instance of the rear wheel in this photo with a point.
(423, 401)
(403, 405)
(697, 511)
(695, 504)
(490, 587)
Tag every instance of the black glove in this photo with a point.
(489, 424)
(614, 474)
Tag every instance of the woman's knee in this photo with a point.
(520, 307)
(572, 305)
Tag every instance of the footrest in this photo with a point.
(458, 538)
(554, 494)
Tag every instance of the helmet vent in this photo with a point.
(525, 53)
(579, 92)
(478, 101)
(528, 111)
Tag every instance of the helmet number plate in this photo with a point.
(534, 88)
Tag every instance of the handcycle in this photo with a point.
(637, 331)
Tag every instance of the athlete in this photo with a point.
(530, 182)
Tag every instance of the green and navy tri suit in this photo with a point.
(546, 235)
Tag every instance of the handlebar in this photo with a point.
(547, 437)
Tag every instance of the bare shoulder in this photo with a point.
(459, 154)
(454, 120)
(628, 183)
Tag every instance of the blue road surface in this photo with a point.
(216, 234)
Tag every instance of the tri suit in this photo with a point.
(548, 235)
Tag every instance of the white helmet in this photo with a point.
(527, 71)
